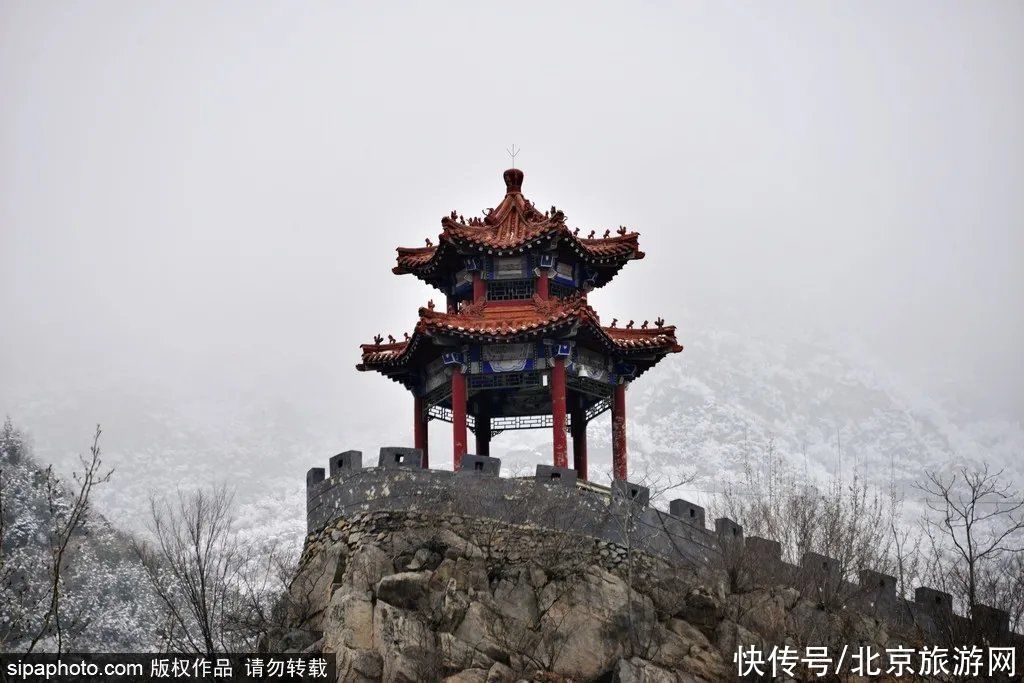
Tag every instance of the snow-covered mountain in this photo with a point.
(709, 411)
(729, 398)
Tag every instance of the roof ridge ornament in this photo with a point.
(512, 152)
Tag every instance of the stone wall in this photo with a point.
(551, 499)
(620, 517)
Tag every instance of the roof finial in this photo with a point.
(512, 152)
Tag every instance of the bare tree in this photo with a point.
(850, 522)
(973, 514)
(67, 518)
(218, 592)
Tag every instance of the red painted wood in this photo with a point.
(558, 412)
(542, 285)
(458, 418)
(479, 288)
(619, 468)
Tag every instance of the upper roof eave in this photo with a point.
(512, 227)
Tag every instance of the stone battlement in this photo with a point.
(554, 499)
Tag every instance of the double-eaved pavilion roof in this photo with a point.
(513, 227)
(532, 319)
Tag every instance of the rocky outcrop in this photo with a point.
(417, 597)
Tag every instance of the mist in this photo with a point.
(205, 198)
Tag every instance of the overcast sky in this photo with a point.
(212, 192)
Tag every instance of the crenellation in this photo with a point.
(989, 620)
(935, 600)
(561, 476)
(480, 465)
(691, 513)
(635, 494)
(394, 456)
(728, 530)
(934, 605)
(314, 476)
(347, 460)
(764, 549)
(877, 585)
(820, 565)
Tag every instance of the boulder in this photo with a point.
(349, 622)
(589, 623)
(366, 568)
(468, 676)
(702, 609)
(515, 598)
(499, 673)
(638, 670)
(406, 589)
(481, 629)
(359, 666)
(730, 636)
(457, 654)
(407, 646)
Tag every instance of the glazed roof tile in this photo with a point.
(506, 322)
(512, 226)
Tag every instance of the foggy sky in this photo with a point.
(211, 193)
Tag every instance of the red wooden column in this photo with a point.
(483, 435)
(479, 287)
(558, 411)
(419, 429)
(619, 432)
(458, 417)
(579, 443)
(542, 284)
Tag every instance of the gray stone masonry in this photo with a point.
(991, 620)
(729, 531)
(764, 549)
(634, 493)
(546, 474)
(820, 565)
(934, 601)
(480, 464)
(349, 460)
(878, 585)
(540, 501)
(314, 476)
(394, 456)
(687, 511)
(553, 499)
